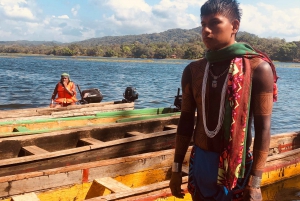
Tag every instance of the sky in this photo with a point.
(77, 20)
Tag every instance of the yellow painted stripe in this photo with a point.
(80, 192)
(187, 197)
(280, 174)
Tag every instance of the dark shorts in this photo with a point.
(203, 173)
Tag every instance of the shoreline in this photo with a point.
(97, 57)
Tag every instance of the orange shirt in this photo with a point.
(63, 95)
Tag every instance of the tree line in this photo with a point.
(193, 48)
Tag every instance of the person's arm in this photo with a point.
(72, 91)
(53, 96)
(262, 104)
(184, 132)
(54, 93)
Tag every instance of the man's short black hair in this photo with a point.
(228, 8)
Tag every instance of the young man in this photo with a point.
(66, 92)
(232, 85)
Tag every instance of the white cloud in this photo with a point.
(63, 17)
(75, 9)
(136, 17)
(267, 20)
(17, 9)
(24, 20)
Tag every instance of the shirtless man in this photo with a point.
(233, 85)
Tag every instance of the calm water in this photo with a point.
(29, 82)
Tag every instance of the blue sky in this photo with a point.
(76, 20)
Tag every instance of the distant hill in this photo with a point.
(170, 36)
(179, 36)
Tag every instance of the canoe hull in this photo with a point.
(140, 177)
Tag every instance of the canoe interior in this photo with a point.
(62, 140)
(138, 177)
(91, 180)
(22, 127)
(58, 149)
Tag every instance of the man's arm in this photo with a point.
(262, 104)
(72, 91)
(54, 93)
(184, 131)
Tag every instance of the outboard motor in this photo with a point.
(130, 95)
(90, 96)
(178, 100)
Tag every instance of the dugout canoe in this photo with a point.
(142, 177)
(22, 154)
(42, 125)
(69, 111)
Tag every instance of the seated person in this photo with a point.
(66, 91)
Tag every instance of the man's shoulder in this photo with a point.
(256, 61)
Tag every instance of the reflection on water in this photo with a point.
(287, 190)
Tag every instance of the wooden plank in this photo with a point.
(34, 150)
(64, 176)
(283, 155)
(143, 191)
(169, 127)
(81, 110)
(185, 169)
(26, 197)
(110, 149)
(112, 184)
(90, 141)
(135, 133)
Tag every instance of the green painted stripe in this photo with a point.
(20, 129)
(46, 120)
(145, 114)
(146, 111)
(124, 113)
(30, 132)
(146, 117)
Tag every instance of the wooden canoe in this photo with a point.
(141, 177)
(42, 125)
(29, 153)
(72, 110)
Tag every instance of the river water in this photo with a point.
(28, 81)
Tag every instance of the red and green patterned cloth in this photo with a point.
(232, 159)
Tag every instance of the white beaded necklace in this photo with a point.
(214, 132)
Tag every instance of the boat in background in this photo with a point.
(62, 112)
(142, 177)
(90, 104)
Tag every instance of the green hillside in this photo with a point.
(173, 43)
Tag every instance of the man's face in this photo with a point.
(218, 31)
(64, 79)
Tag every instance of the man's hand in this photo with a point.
(175, 185)
(65, 83)
(252, 194)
